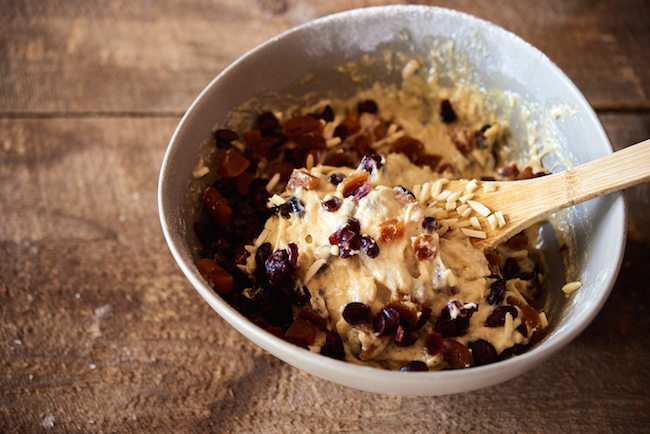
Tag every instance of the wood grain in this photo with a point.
(155, 57)
(100, 331)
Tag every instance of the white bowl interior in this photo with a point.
(501, 59)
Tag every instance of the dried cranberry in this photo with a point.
(403, 337)
(278, 268)
(497, 290)
(292, 251)
(336, 178)
(457, 324)
(447, 113)
(331, 205)
(433, 344)
(386, 321)
(430, 224)
(498, 317)
(361, 192)
(369, 246)
(354, 225)
(371, 162)
(414, 366)
(357, 314)
(367, 106)
(510, 268)
(333, 346)
(483, 352)
(424, 317)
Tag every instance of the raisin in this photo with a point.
(262, 254)
(226, 186)
(425, 247)
(357, 314)
(203, 232)
(369, 246)
(498, 317)
(327, 114)
(367, 106)
(331, 205)
(518, 242)
(414, 366)
(408, 146)
(447, 113)
(353, 181)
(312, 141)
(530, 318)
(483, 352)
(348, 126)
(267, 121)
(464, 140)
(509, 171)
(456, 354)
(391, 230)
(338, 159)
(284, 169)
(428, 160)
(361, 144)
(312, 315)
(333, 346)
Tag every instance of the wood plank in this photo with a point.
(156, 56)
(102, 333)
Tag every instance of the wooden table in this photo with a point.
(100, 331)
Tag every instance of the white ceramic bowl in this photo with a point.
(500, 59)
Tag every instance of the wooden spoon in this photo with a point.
(524, 203)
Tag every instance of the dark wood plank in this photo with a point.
(102, 333)
(156, 56)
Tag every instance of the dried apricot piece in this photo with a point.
(301, 179)
(232, 163)
(353, 181)
(298, 126)
(218, 278)
(302, 329)
(218, 206)
(284, 169)
(391, 230)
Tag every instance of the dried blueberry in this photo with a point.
(331, 205)
(371, 162)
(497, 290)
(498, 317)
(447, 112)
(483, 352)
(333, 346)
(430, 224)
(386, 321)
(284, 210)
(369, 246)
(297, 206)
(357, 314)
(336, 178)
(414, 366)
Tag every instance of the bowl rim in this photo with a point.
(300, 357)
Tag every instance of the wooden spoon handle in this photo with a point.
(620, 170)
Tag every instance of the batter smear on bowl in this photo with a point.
(332, 228)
